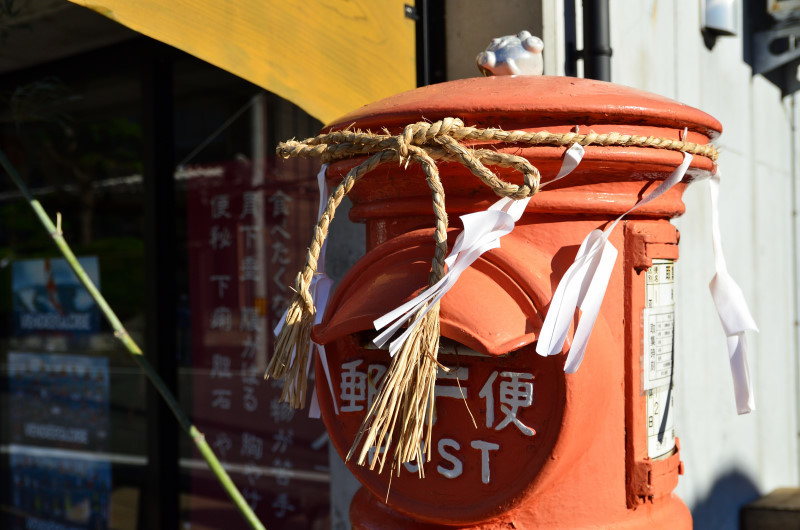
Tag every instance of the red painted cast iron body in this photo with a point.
(574, 454)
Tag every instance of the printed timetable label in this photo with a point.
(658, 323)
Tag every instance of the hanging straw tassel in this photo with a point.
(406, 394)
(319, 290)
(294, 338)
(407, 389)
(292, 347)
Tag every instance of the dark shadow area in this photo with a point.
(561, 262)
(719, 510)
(709, 39)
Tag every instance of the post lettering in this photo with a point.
(484, 448)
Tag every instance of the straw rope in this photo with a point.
(293, 343)
(405, 399)
(408, 387)
(345, 144)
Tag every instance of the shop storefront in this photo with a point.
(160, 165)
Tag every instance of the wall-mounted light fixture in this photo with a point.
(719, 17)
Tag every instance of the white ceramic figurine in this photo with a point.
(512, 55)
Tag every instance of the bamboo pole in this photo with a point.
(133, 349)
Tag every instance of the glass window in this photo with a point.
(73, 404)
(247, 222)
(72, 401)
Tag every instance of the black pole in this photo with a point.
(159, 508)
(431, 44)
(596, 40)
(570, 40)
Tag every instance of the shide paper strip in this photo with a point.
(482, 232)
(732, 309)
(320, 289)
(584, 285)
(572, 157)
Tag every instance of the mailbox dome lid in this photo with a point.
(521, 102)
(490, 309)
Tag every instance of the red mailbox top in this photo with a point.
(612, 175)
(531, 101)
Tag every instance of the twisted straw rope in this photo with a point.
(407, 389)
(345, 144)
(440, 140)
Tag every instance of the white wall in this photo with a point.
(729, 459)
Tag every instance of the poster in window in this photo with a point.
(58, 413)
(247, 236)
(48, 297)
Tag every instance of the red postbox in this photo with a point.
(517, 443)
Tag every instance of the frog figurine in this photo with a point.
(519, 54)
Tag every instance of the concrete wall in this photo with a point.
(346, 244)
(730, 459)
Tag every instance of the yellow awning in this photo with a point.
(327, 56)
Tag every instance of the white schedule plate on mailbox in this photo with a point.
(658, 327)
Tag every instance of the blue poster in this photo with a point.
(59, 492)
(60, 426)
(48, 297)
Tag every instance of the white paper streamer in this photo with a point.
(572, 157)
(732, 309)
(584, 285)
(319, 289)
(482, 232)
